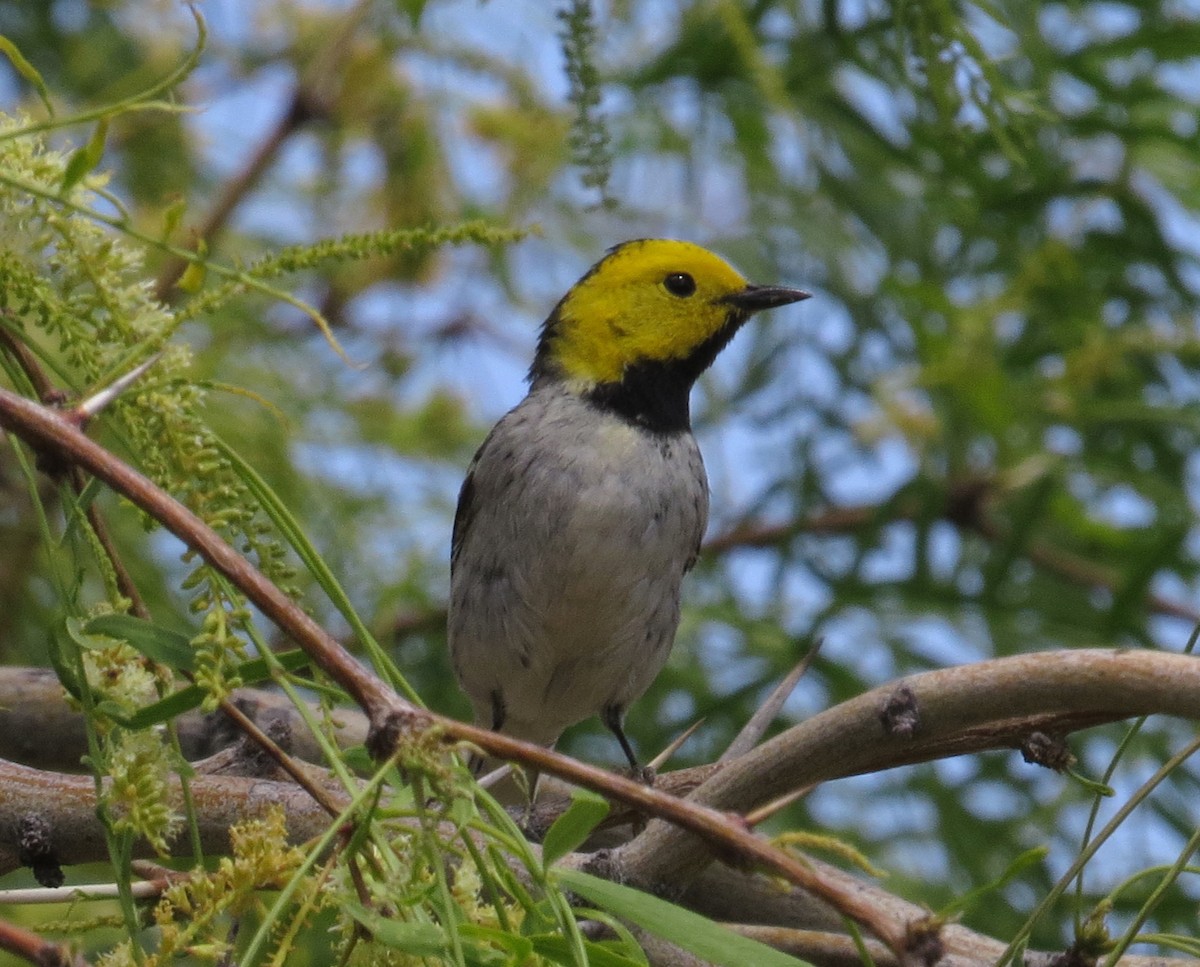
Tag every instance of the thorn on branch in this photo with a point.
(35, 849)
(754, 730)
(673, 746)
(900, 715)
(763, 813)
(91, 406)
(1051, 751)
(53, 465)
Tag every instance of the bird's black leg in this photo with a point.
(613, 718)
(476, 763)
(499, 710)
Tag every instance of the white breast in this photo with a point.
(565, 594)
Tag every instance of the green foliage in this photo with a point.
(184, 917)
(590, 141)
(993, 203)
(79, 297)
(695, 934)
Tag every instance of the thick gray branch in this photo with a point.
(40, 728)
(972, 708)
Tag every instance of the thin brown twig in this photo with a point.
(37, 950)
(308, 100)
(49, 431)
(966, 509)
(298, 773)
(126, 586)
(1084, 573)
(49, 393)
(294, 116)
(46, 391)
(832, 520)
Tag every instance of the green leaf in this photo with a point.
(491, 945)
(416, 938)
(557, 948)
(692, 932)
(160, 644)
(173, 217)
(61, 660)
(89, 493)
(1029, 858)
(250, 672)
(86, 158)
(419, 938)
(482, 946)
(174, 705)
(193, 276)
(27, 71)
(574, 826)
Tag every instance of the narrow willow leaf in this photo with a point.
(250, 672)
(574, 826)
(555, 948)
(27, 71)
(85, 159)
(694, 933)
(193, 276)
(1031, 857)
(418, 938)
(164, 646)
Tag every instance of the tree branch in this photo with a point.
(67, 804)
(966, 508)
(393, 719)
(40, 728)
(309, 99)
(994, 704)
(958, 710)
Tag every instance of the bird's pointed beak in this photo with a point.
(755, 298)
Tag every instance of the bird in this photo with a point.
(586, 504)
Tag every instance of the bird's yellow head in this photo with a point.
(647, 320)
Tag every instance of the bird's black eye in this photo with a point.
(680, 284)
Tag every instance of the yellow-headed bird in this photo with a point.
(585, 506)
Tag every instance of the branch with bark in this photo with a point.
(1005, 703)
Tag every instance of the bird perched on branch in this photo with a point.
(585, 506)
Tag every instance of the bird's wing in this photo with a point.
(697, 472)
(468, 503)
(464, 513)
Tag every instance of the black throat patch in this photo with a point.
(654, 394)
